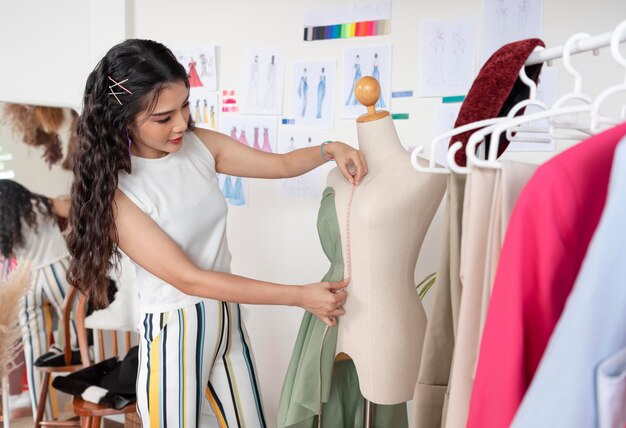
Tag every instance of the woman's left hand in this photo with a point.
(350, 161)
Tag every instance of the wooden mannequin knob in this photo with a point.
(367, 91)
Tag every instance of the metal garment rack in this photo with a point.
(593, 44)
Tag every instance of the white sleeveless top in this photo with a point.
(180, 192)
(43, 247)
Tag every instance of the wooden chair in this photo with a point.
(65, 369)
(90, 413)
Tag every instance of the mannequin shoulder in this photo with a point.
(335, 179)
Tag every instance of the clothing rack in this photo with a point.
(592, 43)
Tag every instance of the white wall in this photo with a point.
(275, 239)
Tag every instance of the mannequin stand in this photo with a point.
(368, 417)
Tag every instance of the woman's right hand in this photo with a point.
(325, 300)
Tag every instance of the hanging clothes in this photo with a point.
(430, 391)
(591, 328)
(310, 386)
(546, 241)
(483, 213)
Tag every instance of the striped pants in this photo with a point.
(196, 369)
(42, 305)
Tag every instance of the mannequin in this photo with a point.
(383, 327)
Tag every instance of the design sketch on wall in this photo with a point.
(263, 76)
(253, 83)
(258, 132)
(309, 185)
(447, 57)
(203, 107)
(201, 66)
(303, 89)
(372, 61)
(234, 189)
(312, 88)
(514, 20)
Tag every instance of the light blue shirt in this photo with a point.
(592, 326)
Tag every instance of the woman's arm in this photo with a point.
(234, 158)
(150, 247)
(61, 206)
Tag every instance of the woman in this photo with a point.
(29, 231)
(145, 182)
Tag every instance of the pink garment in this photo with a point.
(256, 139)
(266, 141)
(242, 138)
(546, 241)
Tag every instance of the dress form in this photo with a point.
(383, 327)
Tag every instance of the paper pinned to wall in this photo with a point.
(203, 108)
(354, 12)
(313, 87)
(445, 116)
(505, 21)
(263, 81)
(447, 56)
(547, 92)
(309, 185)
(372, 61)
(200, 64)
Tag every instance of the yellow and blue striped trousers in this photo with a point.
(41, 309)
(196, 369)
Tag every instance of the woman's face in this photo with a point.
(160, 132)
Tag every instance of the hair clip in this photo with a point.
(115, 94)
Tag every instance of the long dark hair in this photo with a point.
(145, 67)
(17, 207)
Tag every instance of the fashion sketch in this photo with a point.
(194, 79)
(522, 18)
(256, 139)
(438, 45)
(321, 93)
(303, 89)
(457, 74)
(207, 65)
(376, 75)
(502, 11)
(266, 141)
(270, 84)
(298, 185)
(357, 75)
(253, 87)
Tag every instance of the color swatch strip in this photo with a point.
(345, 31)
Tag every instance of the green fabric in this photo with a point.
(310, 375)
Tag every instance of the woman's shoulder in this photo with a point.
(203, 142)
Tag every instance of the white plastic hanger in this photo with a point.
(576, 95)
(596, 119)
(432, 168)
(530, 101)
(470, 148)
(492, 161)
